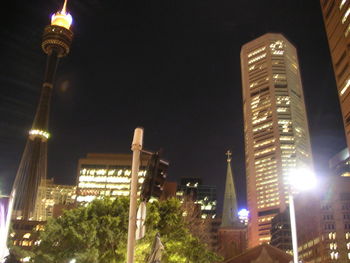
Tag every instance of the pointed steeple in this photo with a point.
(229, 212)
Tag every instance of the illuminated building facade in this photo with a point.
(102, 174)
(203, 195)
(336, 17)
(339, 164)
(323, 222)
(275, 128)
(53, 194)
(57, 38)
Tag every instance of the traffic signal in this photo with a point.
(155, 178)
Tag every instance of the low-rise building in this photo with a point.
(105, 174)
(51, 195)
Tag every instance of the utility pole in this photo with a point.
(136, 147)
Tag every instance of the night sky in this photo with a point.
(170, 66)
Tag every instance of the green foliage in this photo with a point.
(98, 234)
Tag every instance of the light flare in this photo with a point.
(302, 179)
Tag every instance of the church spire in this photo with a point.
(229, 213)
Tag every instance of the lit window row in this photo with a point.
(262, 106)
(266, 170)
(286, 138)
(278, 52)
(262, 127)
(257, 58)
(265, 219)
(119, 172)
(346, 86)
(103, 179)
(268, 165)
(259, 120)
(345, 17)
(279, 76)
(256, 51)
(287, 146)
(282, 109)
(333, 246)
(342, 3)
(268, 182)
(347, 31)
(266, 178)
(334, 255)
(267, 150)
(268, 205)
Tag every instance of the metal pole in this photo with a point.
(293, 228)
(136, 147)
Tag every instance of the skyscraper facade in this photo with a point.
(336, 16)
(275, 128)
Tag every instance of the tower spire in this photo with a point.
(229, 213)
(64, 8)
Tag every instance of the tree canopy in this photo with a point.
(97, 233)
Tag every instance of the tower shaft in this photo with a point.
(33, 166)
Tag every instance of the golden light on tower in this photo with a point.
(62, 18)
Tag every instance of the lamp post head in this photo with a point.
(301, 179)
(62, 18)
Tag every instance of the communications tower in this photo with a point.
(57, 38)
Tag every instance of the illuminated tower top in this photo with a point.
(62, 18)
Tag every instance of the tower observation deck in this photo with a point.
(57, 38)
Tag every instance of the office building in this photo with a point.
(323, 222)
(51, 194)
(203, 195)
(275, 128)
(337, 23)
(104, 174)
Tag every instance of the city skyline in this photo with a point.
(193, 75)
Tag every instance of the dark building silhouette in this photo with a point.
(203, 195)
(339, 164)
(280, 232)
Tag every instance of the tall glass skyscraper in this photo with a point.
(336, 16)
(275, 127)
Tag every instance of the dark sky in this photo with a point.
(171, 66)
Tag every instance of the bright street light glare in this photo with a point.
(302, 179)
(73, 260)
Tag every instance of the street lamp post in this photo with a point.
(301, 180)
(293, 228)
